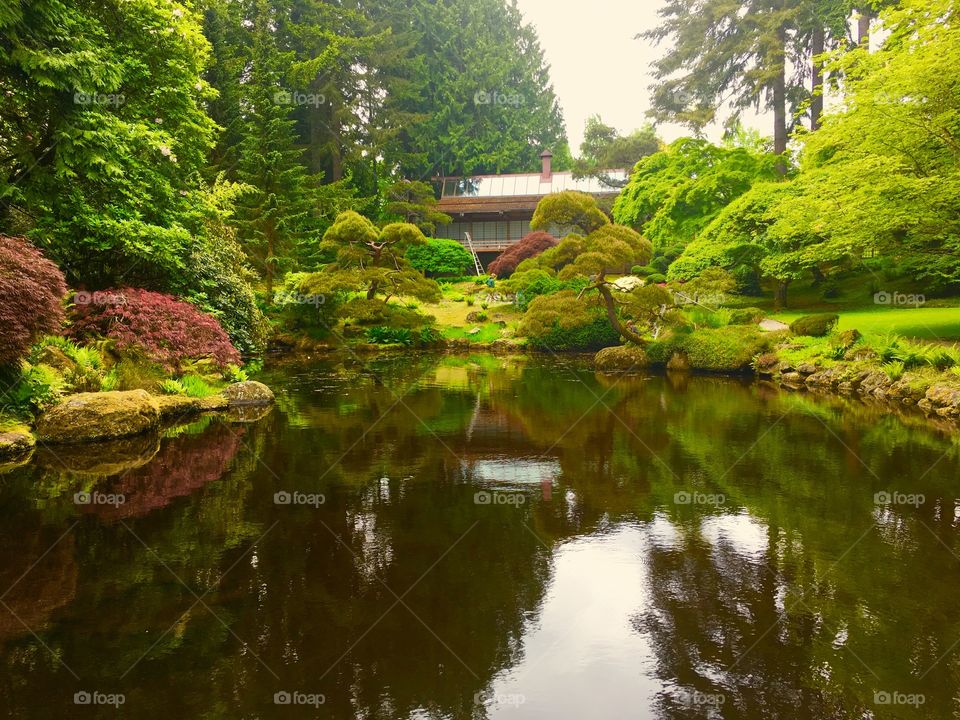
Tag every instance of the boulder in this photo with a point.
(98, 416)
(679, 361)
(176, 406)
(213, 403)
(770, 325)
(623, 357)
(56, 358)
(806, 368)
(944, 400)
(791, 379)
(16, 442)
(849, 338)
(248, 393)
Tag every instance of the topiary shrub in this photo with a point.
(727, 349)
(814, 325)
(31, 292)
(746, 316)
(168, 331)
(440, 256)
(656, 278)
(529, 247)
(562, 321)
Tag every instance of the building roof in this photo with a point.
(528, 185)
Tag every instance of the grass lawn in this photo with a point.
(927, 323)
(488, 332)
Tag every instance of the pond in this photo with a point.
(490, 537)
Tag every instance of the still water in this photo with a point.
(482, 537)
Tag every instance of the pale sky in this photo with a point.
(598, 67)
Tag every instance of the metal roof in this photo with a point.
(527, 185)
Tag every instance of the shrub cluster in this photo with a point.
(31, 292)
(726, 349)
(814, 325)
(529, 247)
(440, 257)
(167, 330)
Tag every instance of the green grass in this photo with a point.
(926, 323)
(488, 333)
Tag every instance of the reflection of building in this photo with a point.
(496, 209)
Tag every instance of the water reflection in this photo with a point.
(497, 538)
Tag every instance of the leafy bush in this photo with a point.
(440, 256)
(639, 269)
(656, 278)
(562, 321)
(308, 302)
(30, 390)
(726, 349)
(389, 336)
(894, 369)
(529, 247)
(31, 291)
(167, 330)
(814, 325)
(746, 316)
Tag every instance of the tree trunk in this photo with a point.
(863, 28)
(817, 47)
(780, 301)
(611, 306)
(780, 100)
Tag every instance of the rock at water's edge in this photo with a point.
(15, 443)
(176, 406)
(624, 357)
(98, 416)
(248, 393)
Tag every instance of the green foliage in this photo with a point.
(675, 193)
(815, 325)
(894, 369)
(309, 302)
(389, 336)
(197, 386)
(562, 321)
(412, 201)
(604, 148)
(30, 389)
(439, 256)
(724, 349)
(568, 210)
(746, 316)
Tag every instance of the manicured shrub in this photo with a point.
(562, 321)
(814, 325)
(168, 331)
(529, 247)
(31, 291)
(727, 349)
(656, 278)
(746, 316)
(440, 256)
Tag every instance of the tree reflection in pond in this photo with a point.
(576, 586)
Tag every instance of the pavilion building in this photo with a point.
(496, 210)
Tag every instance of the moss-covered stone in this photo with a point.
(97, 416)
(174, 406)
(622, 358)
(16, 441)
(248, 393)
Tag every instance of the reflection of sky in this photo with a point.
(515, 471)
(581, 655)
(741, 533)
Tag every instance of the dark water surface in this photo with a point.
(490, 538)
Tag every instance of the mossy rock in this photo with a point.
(248, 393)
(622, 358)
(98, 416)
(177, 406)
(16, 441)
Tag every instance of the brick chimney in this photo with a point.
(547, 174)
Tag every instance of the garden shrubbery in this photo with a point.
(440, 257)
(529, 247)
(31, 294)
(562, 321)
(168, 331)
(814, 325)
(725, 349)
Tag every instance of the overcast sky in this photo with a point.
(598, 67)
